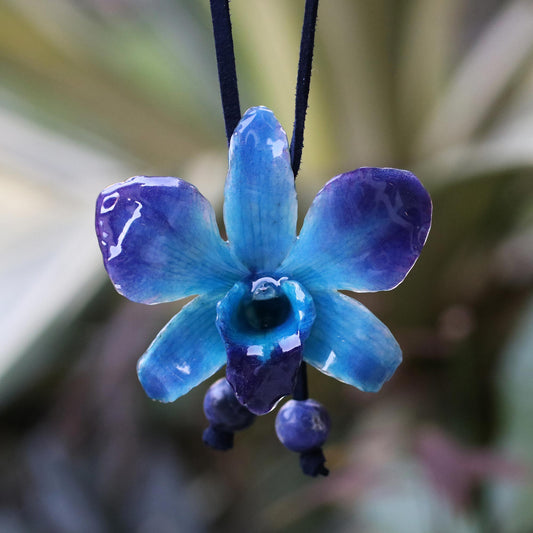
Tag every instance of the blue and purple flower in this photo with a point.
(266, 299)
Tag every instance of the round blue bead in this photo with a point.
(302, 425)
(223, 410)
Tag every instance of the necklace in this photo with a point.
(267, 301)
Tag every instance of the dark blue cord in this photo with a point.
(303, 82)
(227, 73)
(300, 391)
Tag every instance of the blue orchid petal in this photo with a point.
(160, 241)
(264, 325)
(363, 232)
(186, 351)
(350, 344)
(260, 207)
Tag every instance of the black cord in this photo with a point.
(300, 391)
(303, 82)
(227, 74)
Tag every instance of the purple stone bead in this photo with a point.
(303, 425)
(223, 410)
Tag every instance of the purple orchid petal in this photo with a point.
(260, 208)
(264, 325)
(350, 344)
(160, 241)
(187, 351)
(363, 232)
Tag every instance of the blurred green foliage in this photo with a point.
(442, 87)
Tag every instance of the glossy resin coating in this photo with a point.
(260, 207)
(267, 299)
(363, 232)
(160, 241)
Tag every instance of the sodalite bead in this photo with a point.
(223, 410)
(225, 414)
(302, 425)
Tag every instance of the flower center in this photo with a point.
(264, 323)
(267, 306)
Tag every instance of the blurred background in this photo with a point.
(93, 91)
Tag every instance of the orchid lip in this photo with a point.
(264, 323)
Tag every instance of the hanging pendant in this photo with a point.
(267, 300)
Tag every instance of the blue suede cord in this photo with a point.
(227, 74)
(303, 82)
